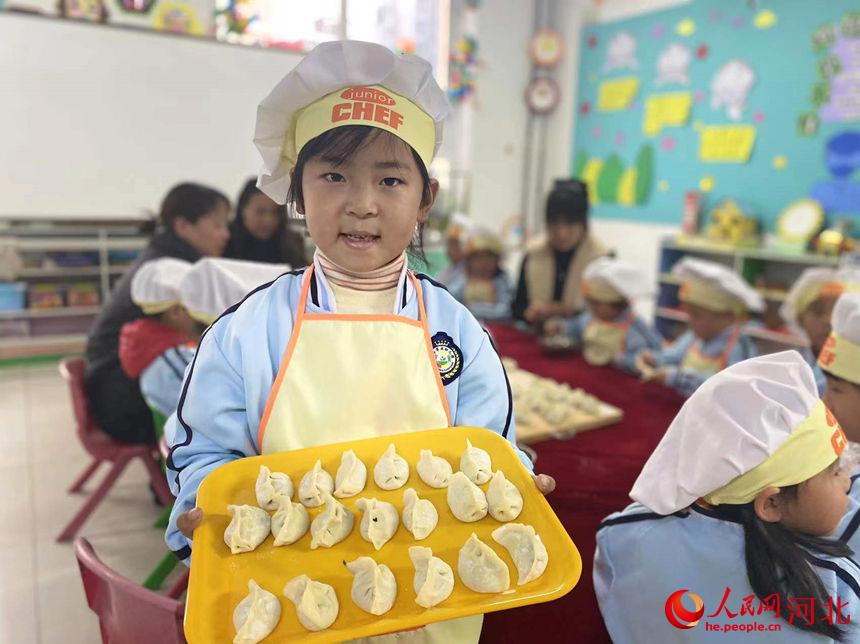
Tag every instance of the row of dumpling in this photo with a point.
(374, 588)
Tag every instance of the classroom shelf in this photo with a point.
(57, 312)
(14, 348)
(71, 271)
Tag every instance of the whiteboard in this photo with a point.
(102, 121)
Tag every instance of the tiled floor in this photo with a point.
(41, 596)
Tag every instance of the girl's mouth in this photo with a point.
(359, 241)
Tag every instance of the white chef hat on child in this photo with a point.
(155, 285)
(214, 284)
(840, 354)
(608, 279)
(756, 424)
(341, 83)
(813, 283)
(715, 287)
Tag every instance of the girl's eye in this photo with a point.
(333, 177)
(391, 182)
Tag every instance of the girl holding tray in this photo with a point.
(355, 345)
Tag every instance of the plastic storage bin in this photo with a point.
(13, 296)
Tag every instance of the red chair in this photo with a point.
(103, 449)
(128, 613)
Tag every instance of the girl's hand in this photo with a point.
(553, 326)
(187, 521)
(544, 482)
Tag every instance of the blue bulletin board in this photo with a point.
(758, 100)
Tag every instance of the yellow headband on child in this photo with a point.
(154, 308)
(709, 296)
(375, 106)
(841, 357)
(812, 292)
(601, 291)
(812, 447)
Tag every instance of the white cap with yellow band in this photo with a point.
(155, 285)
(608, 279)
(756, 424)
(715, 287)
(812, 284)
(347, 83)
(840, 354)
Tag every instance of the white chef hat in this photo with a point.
(341, 83)
(715, 287)
(608, 279)
(155, 285)
(814, 283)
(840, 354)
(214, 284)
(756, 424)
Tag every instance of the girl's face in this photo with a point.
(605, 311)
(820, 504)
(815, 320)
(363, 213)
(261, 216)
(843, 399)
(209, 234)
(483, 265)
(564, 235)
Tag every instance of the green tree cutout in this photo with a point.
(609, 178)
(644, 173)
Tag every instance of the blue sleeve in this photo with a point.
(673, 354)
(484, 396)
(744, 349)
(574, 327)
(161, 381)
(498, 310)
(639, 338)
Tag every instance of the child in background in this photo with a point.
(483, 287)
(355, 345)
(718, 301)
(809, 305)
(454, 238)
(609, 332)
(735, 504)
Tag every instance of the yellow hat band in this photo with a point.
(841, 357)
(601, 291)
(154, 308)
(375, 106)
(709, 297)
(812, 447)
(814, 291)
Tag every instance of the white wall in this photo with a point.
(103, 121)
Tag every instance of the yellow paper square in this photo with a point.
(662, 110)
(726, 143)
(617, 94)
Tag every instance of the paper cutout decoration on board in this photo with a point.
(685, 28)
(136, 6)
(764, 19)
(609, 181)
(730, 88)
(839, 94)
(91, 10)
(177, 18)
(726, 143)
(665, 110)
(621, 52)
(842, 158)
(673, 65)
(617, 94)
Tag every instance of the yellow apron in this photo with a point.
(335, 367)
(696, 361)
(603, 341)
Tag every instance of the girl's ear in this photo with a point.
(424, 211)
(768, 505)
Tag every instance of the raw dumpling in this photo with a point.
(332, 526)
(503, 498)
(481, 569)
(391, 470)
(256, 616)
(351, 475)
(466, 500)
(248, 528)
(475, 463)
(373, 587)
(434, 579)
(419, 515)
(272, 488)
(316, 602)
(435, 471)
(314, 487)
(289, 523)
(526, 549)
(379, 522)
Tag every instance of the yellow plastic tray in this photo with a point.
(219, 580)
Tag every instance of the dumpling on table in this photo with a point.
(379, 522)
(466, 500)
(503, 498)
(351, 476)
(272, 488)
(419, 515)
(256, 616)
(475, 463)
(391, 470)
(316, 602)
(331, 526)
(481, 569)
(315, 485)
(526, 549)
(374, 588)
(435, 471)
(248, 528)
(434, 579)
(289, 523)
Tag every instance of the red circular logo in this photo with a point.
(680, 617)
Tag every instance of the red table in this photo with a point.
(594, 471)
